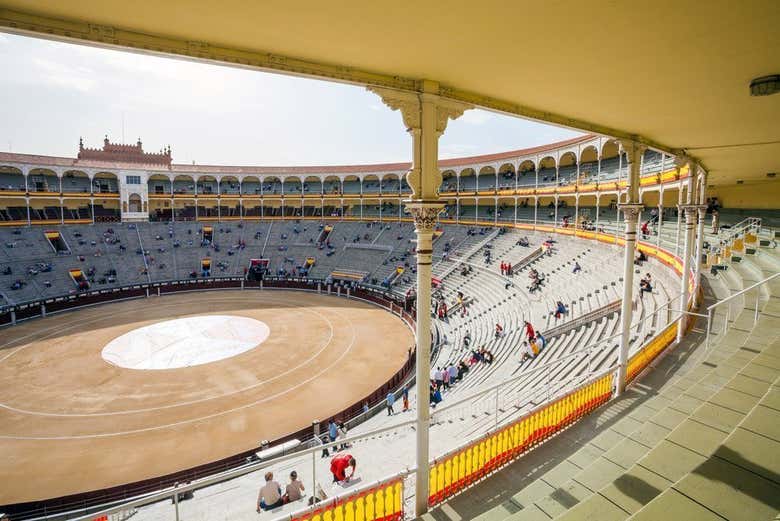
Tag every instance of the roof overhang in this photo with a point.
(673, 75)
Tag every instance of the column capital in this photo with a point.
(631, 210)
(631, 147)
(425, 214)
(410, 106)
(691, 210)
(425, 114)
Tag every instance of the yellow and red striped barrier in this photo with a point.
(381, 503)
(451, 474)
(638, 362)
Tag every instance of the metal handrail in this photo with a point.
(744, 224)
(727, 299)
(711, 309)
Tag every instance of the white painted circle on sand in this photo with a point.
(185, 342)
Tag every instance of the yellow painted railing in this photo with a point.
(381, 503)
(456, 471)
(638, 362)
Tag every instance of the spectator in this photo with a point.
(499, 331)
(406, 398)
(534, 347)
(339, 467)
(529, 330)
(435, 395)
(294, 490)
(527, 352)
(645, 286)
(645, 230)
(270, 495)
(715, 221)
(390, 402)
(333, 431)
(654, 215)
(343, 435)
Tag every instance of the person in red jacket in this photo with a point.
(339, 465)
(529, 331)
(645, 230)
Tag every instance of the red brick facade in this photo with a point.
(125, 153)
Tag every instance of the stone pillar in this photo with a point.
(425, 115)
(701, 193)
(424, 222)
(702, 215)
(631, 215)
(690, 216)
(631, 210)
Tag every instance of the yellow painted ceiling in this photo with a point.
(674, 72)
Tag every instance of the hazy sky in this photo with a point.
(51, 93)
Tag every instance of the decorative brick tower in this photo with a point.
(125, 153)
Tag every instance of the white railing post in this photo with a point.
(176, 499)
(313, 475)
(755, 315)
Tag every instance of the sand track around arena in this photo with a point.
(71, 422)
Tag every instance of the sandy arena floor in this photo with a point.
(71, 422)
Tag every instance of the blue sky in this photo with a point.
(51, 93)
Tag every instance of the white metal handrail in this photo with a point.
(735, 295)
(711, 309)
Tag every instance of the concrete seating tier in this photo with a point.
(695, 438)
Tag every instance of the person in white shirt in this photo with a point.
(270, 495)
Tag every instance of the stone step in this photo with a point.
(739, 479)
(744, 380)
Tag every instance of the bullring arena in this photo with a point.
(580, 321)
(98, 425)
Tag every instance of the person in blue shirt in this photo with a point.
(333, 430)
(390, 402)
